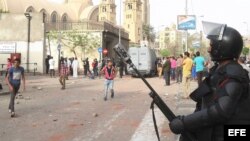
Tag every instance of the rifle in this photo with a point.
(121, 52)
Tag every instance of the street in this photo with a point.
(79, 113)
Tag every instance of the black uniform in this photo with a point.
(223, 97)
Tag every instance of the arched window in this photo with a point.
(64, 21)
(54, 17)
(64, 18)
(30, 9)
(45, 15)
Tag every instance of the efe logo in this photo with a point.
(236, 132)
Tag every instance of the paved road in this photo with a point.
(79, 113)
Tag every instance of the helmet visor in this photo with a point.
(213, 30)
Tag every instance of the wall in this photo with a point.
(14, 28)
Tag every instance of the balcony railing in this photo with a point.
(85, 26)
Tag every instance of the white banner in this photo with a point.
(7, 47)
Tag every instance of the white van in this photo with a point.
(144, 59)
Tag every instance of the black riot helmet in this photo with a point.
(226, 42)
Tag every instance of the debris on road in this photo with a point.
(95, 115)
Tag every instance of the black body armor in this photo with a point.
(223, 98)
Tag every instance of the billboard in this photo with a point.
(196, 44)
(186, 22)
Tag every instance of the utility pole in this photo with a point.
(59, 47)
(120, 21)
(28, 16)
(186, 13)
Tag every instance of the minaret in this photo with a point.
(107, 11)
(133, 19)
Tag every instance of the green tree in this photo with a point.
(74, 41)
(148, 32)
(170, 46)
(84, 41)
(245, 51)
(164, 53)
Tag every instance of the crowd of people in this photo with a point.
(70, 66)
(182, 69)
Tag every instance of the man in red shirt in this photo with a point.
(109, 73)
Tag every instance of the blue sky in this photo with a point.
(234, 13)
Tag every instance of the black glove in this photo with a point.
(177, 125)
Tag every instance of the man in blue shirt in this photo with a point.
(199, 63)
(13, 79)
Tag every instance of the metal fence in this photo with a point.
(3, 69)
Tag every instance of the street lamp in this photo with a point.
(29, 17)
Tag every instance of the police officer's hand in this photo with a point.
(177, 125)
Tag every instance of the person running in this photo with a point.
(63, 73)
(109, 74)
(13, 79)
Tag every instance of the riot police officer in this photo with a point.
(223, 97)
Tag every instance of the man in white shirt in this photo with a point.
(52, 67)
(75, 67)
